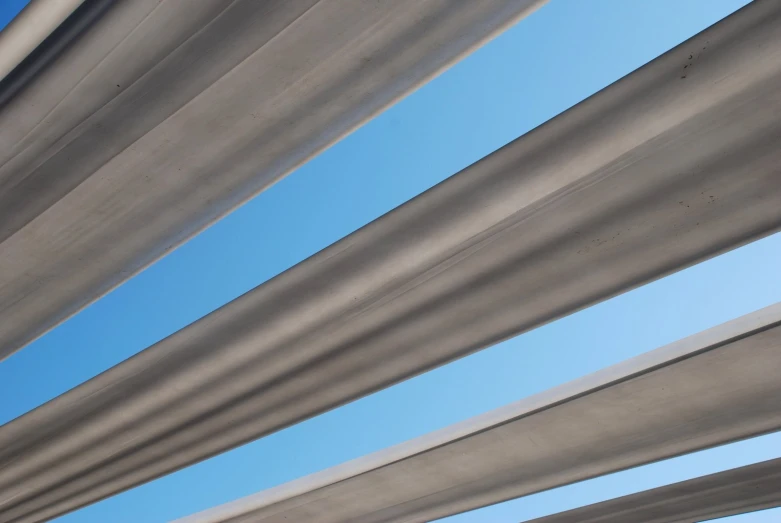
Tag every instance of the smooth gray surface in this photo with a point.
(715, 387)
(68, 32)
(29, 28)
(648, 176)
(166, 114)
(737, 491)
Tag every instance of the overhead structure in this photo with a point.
(658, 405)
(159, 117)
(729, 493)
(29, 28)
(68, 26)
(651, 175)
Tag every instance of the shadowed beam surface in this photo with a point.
(162, 116)
(737, 491)
(648, 176)
(715, 387)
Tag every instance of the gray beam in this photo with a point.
(716, 387)
(651, 175)
(161, 117)
(31, 26)
(51, 48)
(738, 491)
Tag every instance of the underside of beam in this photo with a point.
(161, 117)
(31, 26)
(651, 175)
(712, 388)
(737, 491)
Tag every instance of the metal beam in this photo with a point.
(738, 491)
(661, 404)
(161, 117)
(651, 175)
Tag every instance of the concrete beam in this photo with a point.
(738, 491)
(29, 28)
(47, 52)
(651, 175)
(161, 117)
(652, 407)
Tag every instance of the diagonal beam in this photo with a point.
(650, 175)
(715, 387)
(162, 116)
(29, 28)
(737, 491)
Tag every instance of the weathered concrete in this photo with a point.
(163, 116)
(716, 387)
(653, 174)
(746, 489)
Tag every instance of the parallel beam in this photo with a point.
(746, 489)
(47, 52)
(161, 117)
(29, 28)
(649, 176)
(713, 388)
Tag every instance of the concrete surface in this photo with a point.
(737, 491)
(31, 26)
(651, 175)
(715, 387)
(162, 116)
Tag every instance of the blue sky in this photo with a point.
(557, 57)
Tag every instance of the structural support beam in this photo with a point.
(161, 117)
(47, 52)
(651, 175)
(655, 406)
(29, 28)
(737, 491)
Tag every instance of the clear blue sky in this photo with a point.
(559, 56)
